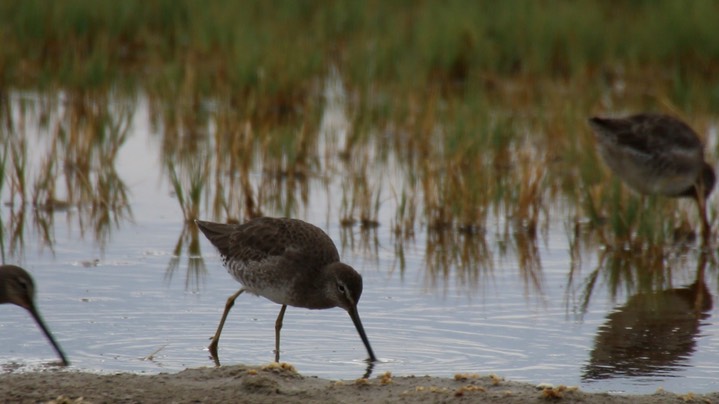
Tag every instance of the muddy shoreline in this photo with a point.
(281, 383)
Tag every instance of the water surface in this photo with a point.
(513, 306)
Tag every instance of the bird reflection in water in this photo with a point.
(652, 334)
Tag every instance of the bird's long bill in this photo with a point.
(49, 336)
(358, 324)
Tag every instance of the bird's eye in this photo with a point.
(341, 288)
(24, 285)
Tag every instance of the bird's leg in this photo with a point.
(278, 327)
(216, 338)
(702, 206)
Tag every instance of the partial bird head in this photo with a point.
(344, 285)
(709, 179)
(16, 287)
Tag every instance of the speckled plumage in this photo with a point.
(654, 154)
(288, 261)
(657, 154)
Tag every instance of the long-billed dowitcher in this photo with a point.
(657, 154)
(17, 287)
(289, 262)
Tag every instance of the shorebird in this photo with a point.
(290, 262)
(18, 288)
(657, 155)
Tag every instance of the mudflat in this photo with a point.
(281, 383)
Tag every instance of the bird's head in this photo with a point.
(19, 288)
(708, 179)
(344, 285)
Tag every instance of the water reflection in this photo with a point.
(530, 264)
(235, 167)
(225, 164)
(196, 270)
(447, 226)
(59, 157)
(653, 333)
(466, 253)
(628, 270)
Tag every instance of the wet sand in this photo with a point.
(281, 383)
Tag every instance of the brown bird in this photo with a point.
(657, 155)
(18, 288)
(289, 262)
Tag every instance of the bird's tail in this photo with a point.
(217, 233)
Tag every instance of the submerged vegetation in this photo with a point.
(444, 115)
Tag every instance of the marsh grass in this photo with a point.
(269, 53)
(72, 168)
(625, 272)
(196, 268)
(188, 188)
(468, 255)
(454, 112)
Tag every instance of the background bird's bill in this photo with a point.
(38, 320)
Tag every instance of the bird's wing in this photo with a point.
(256, 240)
(289, 239)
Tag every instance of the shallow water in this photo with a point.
(116, 307)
